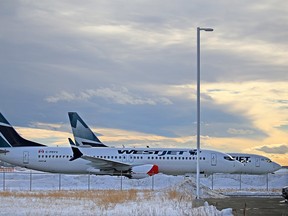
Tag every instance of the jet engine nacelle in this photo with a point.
(143, 171)
(93, 170)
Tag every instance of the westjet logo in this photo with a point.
(3, 141)
(157, 152)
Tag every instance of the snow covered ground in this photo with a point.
(32, 180)
(35, 193)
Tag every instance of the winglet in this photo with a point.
(72, 143)
(76, 152)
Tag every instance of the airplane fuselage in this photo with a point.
(255, 164)
(169, 161)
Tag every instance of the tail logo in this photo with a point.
(3, 142)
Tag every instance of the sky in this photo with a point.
(129, 69)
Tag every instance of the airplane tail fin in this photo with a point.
(10, 138)
(83, 135)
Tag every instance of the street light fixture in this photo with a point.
(198, 108)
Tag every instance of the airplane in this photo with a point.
(134, 163)
(255, 164)
(82, 135)
(252, 163)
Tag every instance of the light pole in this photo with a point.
(198, 108)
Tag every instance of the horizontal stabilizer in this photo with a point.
(3, 151)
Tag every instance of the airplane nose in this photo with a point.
(276, 166)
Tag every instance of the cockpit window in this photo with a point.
(268, 160)
(229, 158)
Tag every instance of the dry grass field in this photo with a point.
(99, 202)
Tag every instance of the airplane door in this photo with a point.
(257, 162)
(25, 157)
(213, 159)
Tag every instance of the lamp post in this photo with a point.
(198, 108)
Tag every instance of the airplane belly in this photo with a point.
(58, 166)
(176, 168)
(11, 158)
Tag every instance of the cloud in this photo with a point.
(118, 96)
(65, 51)
(59, 127)
(282, 149)
(235, 131)
(45, 136)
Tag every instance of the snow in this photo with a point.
(157, 205)
(34, 193)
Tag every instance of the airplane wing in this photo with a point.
(101, 163)
(3, 151)
(98, 163)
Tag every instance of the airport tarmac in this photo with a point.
(250, 206)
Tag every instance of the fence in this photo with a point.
(32, 180)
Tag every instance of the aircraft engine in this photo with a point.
(143, 171)
(93, 170)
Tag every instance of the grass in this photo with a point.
(103, 198)
(104, 202)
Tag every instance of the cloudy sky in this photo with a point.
(129, 69)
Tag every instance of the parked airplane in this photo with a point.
(252, 163)
(131, 162)
(255, 164)
(82, 135)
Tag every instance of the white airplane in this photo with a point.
(130, 162)
(252, 163)
(255, 164)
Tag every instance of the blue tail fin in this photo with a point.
(10, 138)
(83, 135)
